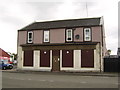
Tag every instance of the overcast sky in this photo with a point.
(16, 14)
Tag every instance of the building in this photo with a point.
(118, 52)
(112, 62)
(75, 45)
(4, 55)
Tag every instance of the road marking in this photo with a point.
(104, 77)
(42, 80)
(21, 79)
(116, 83)
(10, 77)
(16, 78)
(29, 79)
(51, 81)
(83, 82)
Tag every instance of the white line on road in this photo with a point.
(42, 80)
(29, 79)
(16, 78)
(83, 82)
(51, 81)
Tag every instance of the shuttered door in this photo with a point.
(67, 58)
(45, 58)
(28, 58)
(87, 59)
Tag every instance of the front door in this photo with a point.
(55, 60)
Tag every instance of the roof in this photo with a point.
(64, 23)
(3, 53)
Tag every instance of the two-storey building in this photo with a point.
(63, 45)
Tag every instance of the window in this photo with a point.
(87, 34)
(46, 36)
(69, 35)
(30, 37)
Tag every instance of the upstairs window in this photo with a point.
(46, 36)
(69, 35)
(30, 37)
(87, 34)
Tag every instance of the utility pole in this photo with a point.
(86, 9)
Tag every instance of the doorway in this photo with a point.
(56, 60)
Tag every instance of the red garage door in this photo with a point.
(45, 58)
(28, 58)
(87, 59)
(67, 58)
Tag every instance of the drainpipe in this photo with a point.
(100, 57)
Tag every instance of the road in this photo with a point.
(46, 80)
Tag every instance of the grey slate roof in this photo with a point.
(64, 23)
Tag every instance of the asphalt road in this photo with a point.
(46, 80)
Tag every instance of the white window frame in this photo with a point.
(68, 36)
(46, 32)
(30, 40)
(87, 36)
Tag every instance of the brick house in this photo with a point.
(75, 45)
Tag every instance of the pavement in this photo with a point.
(107, 74)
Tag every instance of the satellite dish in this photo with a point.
(77, 36)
